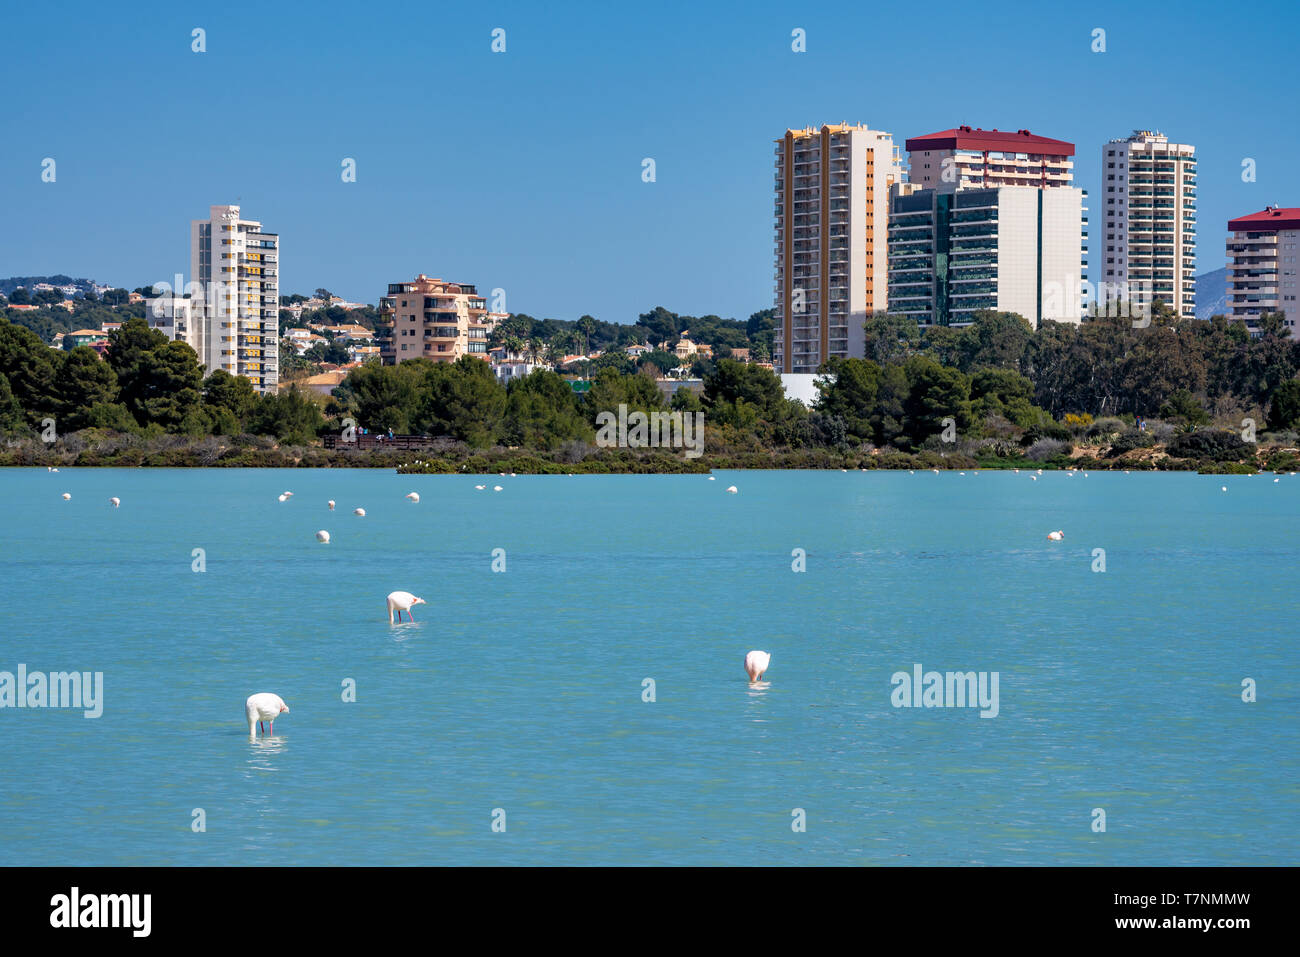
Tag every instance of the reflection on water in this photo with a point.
(757, 693)
(400, 627)
(262, 752)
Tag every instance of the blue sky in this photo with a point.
(522, 170)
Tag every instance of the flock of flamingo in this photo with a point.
(263, 708)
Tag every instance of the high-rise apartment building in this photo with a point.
(965, 158)
(1262, 251)
(434, 319)
(235, 305)
(1148, 237)
(988, 220)
(1009, 249)
(832, 211)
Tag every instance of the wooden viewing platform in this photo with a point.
(380, 441)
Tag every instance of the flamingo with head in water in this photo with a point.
(402, 601)
(756, 662)
(263, 707)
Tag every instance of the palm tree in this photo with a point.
(586, 326)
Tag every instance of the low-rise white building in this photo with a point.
(802, 386)
(509, 370)
(176, 317)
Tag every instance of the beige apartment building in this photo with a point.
(832, 214)
(1262, 251)
(1148, 248)
(434, 319)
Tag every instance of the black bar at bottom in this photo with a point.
(977, 907)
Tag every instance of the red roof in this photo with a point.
(1267, 220)
(965, 138)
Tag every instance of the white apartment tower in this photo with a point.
(1262, 269)
(1148, 247)
(832, 213)
(237, 299)
(1016, 249)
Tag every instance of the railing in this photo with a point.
(380, 441)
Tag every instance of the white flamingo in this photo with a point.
(361, 512)
(115, 501)
(67, 496)
(413, 496)
(1056, 536)
(732, 489)
(402, 601)
(331, 503)
(263, 707)
(756, 663)
(323, 537)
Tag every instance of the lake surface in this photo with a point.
(523, 691)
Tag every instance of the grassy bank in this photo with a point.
(98, 448)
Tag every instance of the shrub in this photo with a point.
(1104, 428)
(1130, 440)
(1283, 460)
(1049, 430)
(1212, 445)
(1044, 449)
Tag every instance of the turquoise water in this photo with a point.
(522, 690)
